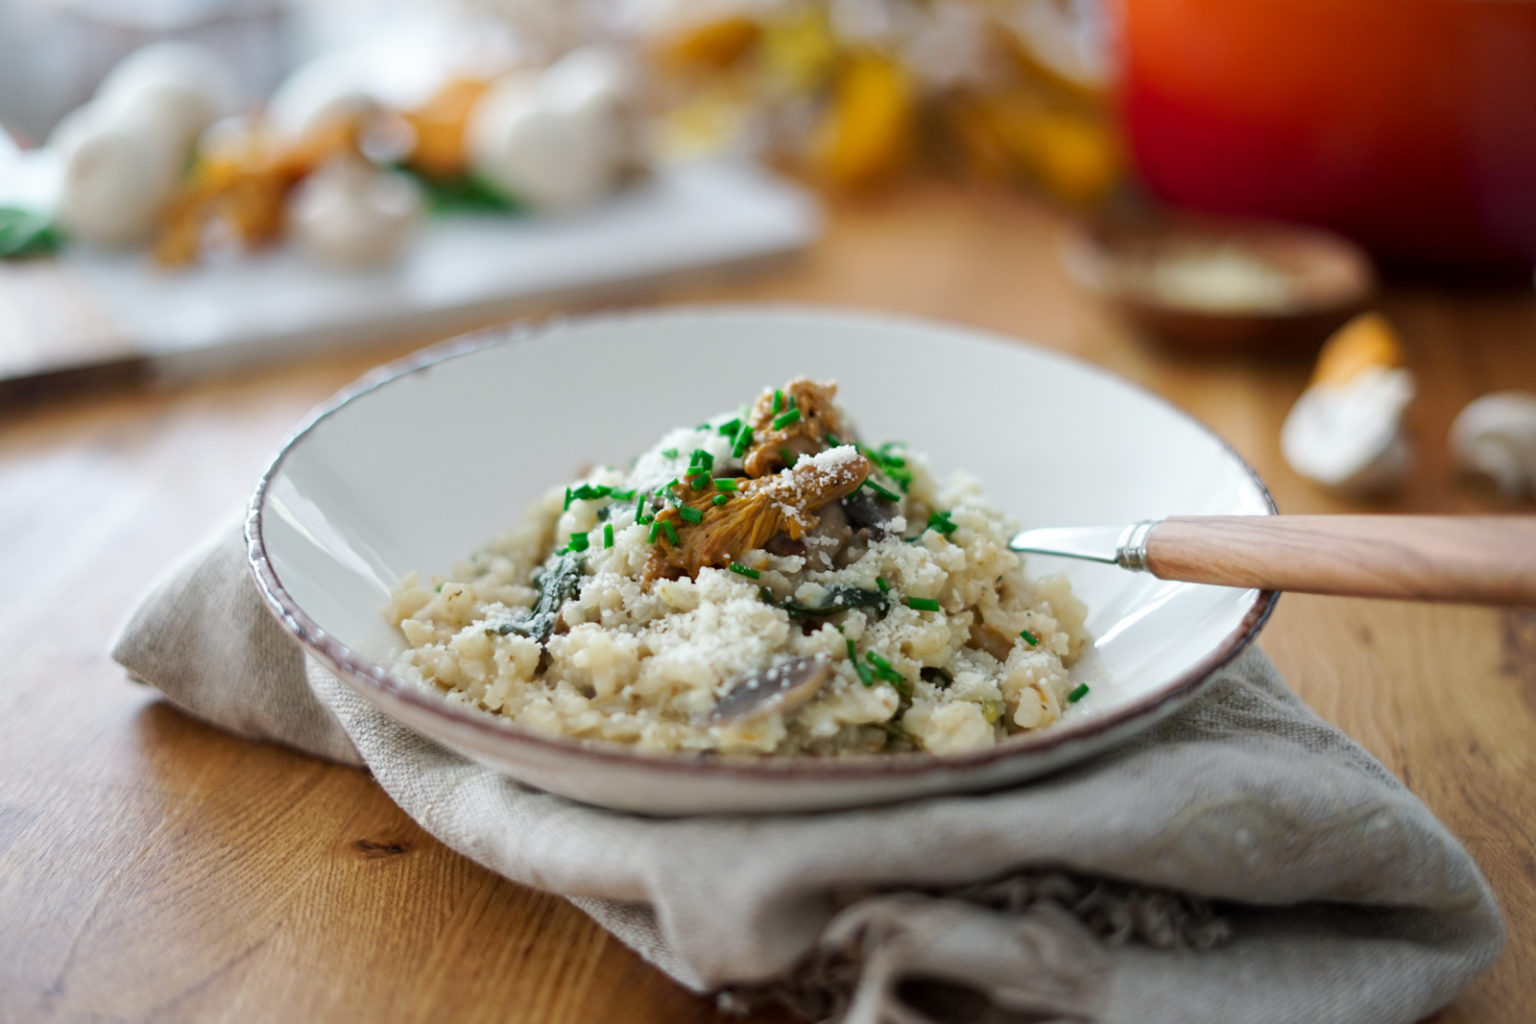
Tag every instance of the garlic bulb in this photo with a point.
(123, 152)
(603, 82)
(317, 98)
(181, 86)
(1495, 437)
(119, 168)
(351, 214)
(549, 152)
(1346, 430)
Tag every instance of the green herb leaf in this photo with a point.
(557, 582)
(839, 599)
(26, 233)
(939, 521)
(858, 666)
(467, 194)
(743, 441)
(885, 671)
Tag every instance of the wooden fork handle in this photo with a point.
(1469, 559)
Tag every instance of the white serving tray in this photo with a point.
(91, 308)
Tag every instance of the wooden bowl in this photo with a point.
(1212, 286)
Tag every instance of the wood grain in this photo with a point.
(1468, 559)
(155, 869)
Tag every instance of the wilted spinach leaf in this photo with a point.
(557, 583)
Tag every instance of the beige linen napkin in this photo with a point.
(1242, 862)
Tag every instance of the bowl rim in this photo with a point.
(363, 671)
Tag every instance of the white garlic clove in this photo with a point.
(601, 82)
(182, 86)
(552, 157)
(317, 97)
(1349, 436)
(350, 214)
(1495, 438)
(118, 171)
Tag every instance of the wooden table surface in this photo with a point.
(153, 868)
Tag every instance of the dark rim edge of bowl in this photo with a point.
(362, 670)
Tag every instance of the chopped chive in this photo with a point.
(578, 542)
(621, 495)
(699, 482)
(742, 570)
(666, 524)
(791, 401)
(789, 457)
(1033, 640)
(656, 525)
(940, 521)
(700, 457)
(884, 670)
(670, 453)
(669, 485)
(439, 588)
(1078, 694)
(924, 604)
(864, 676)
(778, 400)
(640, 508)
(720, 499)
(725, 483)
(831, 439)
(693, 515)
(883, 492)
(729, 428)
(885, 588)
(786, 418)
(743, 441)
(568, 497)
(607, 535)
(587, 492)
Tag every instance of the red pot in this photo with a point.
(1407, 124)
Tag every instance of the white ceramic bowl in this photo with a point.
(423, 461)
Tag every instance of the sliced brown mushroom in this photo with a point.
(992, 640)
(759, 509)
(807, 435)
(777, 689)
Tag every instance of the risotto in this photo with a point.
(764, 583)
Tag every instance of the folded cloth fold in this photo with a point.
(1242, 861)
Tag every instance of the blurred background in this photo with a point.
(1233, 177)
